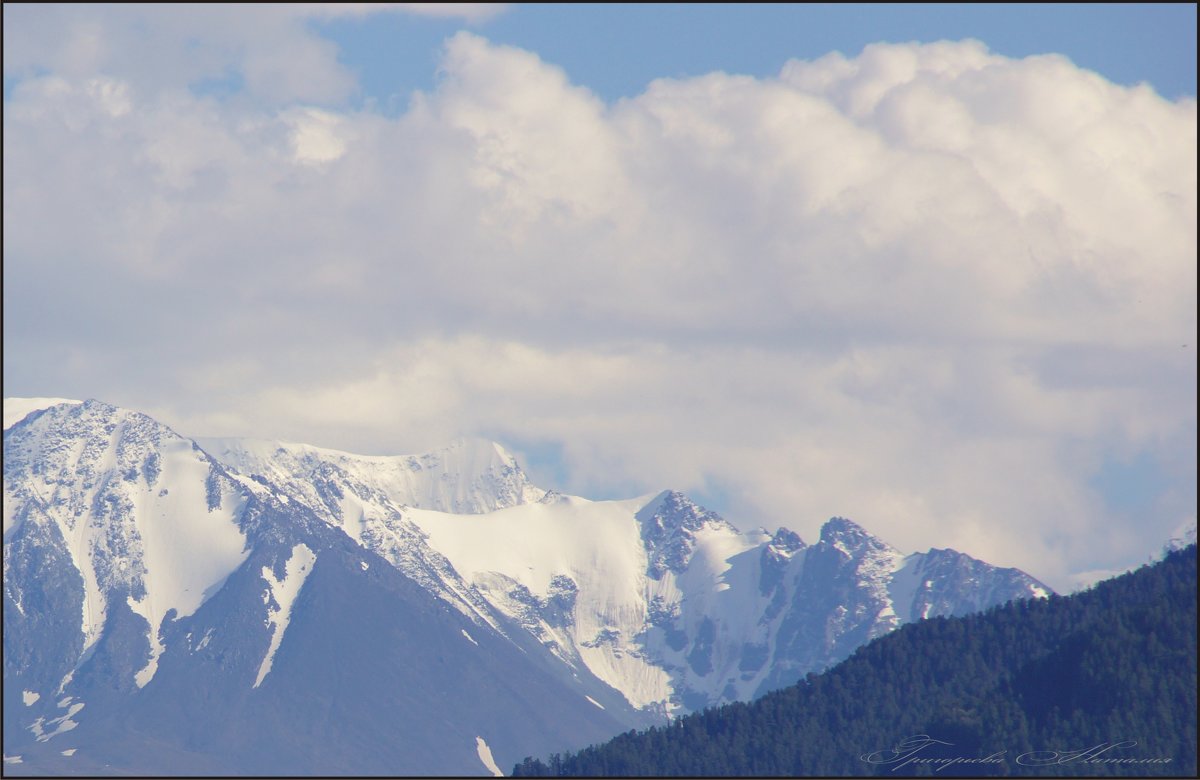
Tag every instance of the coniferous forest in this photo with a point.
(1098, 683)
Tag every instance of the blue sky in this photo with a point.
(937, 283)
(617, 49)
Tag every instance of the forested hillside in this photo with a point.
(1097, 683)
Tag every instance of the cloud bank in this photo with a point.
(927, 287)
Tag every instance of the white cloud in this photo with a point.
(927, 287)
(317, 136)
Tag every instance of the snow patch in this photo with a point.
(471, 638)
(61, 724)
(284, 592)
(13, 759)
(189, 550)
(904, 584)
(593, 701)
(146, 674)
(69, 751)
(485, 755)
(29, 697)
(364, 565)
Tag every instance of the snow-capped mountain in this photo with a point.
(163, 613)
(251, 606)
(665, 601)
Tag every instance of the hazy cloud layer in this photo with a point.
(927, 287)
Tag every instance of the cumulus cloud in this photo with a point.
(927, 287)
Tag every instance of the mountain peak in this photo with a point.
(839, 529)
(483, 474)
(668, 525)
(850, 538)
(141, 512)
(672, 509)
(785, 542)
(17, 409)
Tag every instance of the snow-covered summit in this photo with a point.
(17, 409)
(784, 544)
(143, 514)
(467, 476)
(669, 523)
(839, 529)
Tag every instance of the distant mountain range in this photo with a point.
(257, 607)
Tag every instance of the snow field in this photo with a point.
(283, 593)
(595, 543)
